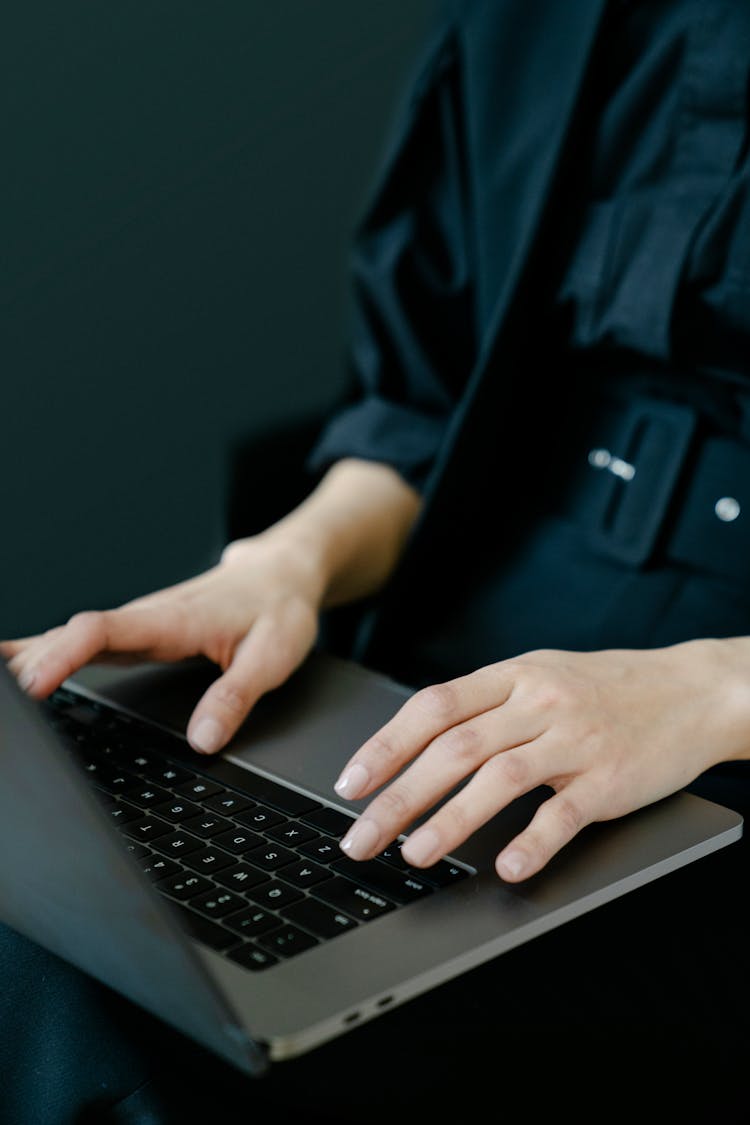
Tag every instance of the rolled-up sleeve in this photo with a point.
(411, 341)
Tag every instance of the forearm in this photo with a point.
(350, 530)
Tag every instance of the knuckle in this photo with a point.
(547, 690)
(511, 768)
(569, 815)
(229, 696)
(438, 701)
(457, 817)
(234, 551)
(461, 742)
(383, 750)
(396, 800)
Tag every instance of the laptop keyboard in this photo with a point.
(252, 867)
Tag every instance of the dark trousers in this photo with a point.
(638, 1009)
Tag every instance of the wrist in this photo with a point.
(295, 560)
(726, 666)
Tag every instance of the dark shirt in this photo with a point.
(662, 265)
(660, 271)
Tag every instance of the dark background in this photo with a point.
(179, 186)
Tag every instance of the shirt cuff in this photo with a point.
(378, 430)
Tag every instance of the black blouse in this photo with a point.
(661, 266)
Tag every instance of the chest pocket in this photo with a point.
(621, 286)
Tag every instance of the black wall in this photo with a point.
(177, 192)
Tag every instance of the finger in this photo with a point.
(274, 647)
(502, 779)
(87, 635)
(422, 718)
(22, 654)
(9, 649)
(492, 746)
(17, 667)
(555, 823)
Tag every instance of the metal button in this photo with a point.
(599, 458)
(603, 459)
(727, 509)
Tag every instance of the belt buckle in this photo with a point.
(638, 473)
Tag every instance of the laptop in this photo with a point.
(212, 892)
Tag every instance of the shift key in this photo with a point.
(399, 886)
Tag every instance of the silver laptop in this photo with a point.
(256, 940)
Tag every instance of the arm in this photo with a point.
(256, 613)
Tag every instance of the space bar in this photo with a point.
(204, 930)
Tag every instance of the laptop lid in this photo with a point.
(67, 883)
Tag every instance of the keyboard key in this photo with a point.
(204, 930)
(208, 859)
(184, 884)
(207, 825)
(217, 902)
(198, 788)
(262, 789)
(287, 940)
(251, 956)
(292, 834)
(260, 819)
(274, 894)
(109, 778)
(133, 759)
(441, 874)
(305, 873)
(159, 867)
(241, 876)
(239, 840)
(146, 829)
(323, 850)
(121, 812)
(177, 810)
(117, 781)
(136, 849)
(93, 767)
(400, 886)
(270, 856)
(360, 902)
(392, 855)
(251, 922)
(161, 773)
(147, 795)
(330, 821)
(317, 917)
(178, 844)
(228, 804)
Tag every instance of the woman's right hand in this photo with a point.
(255, 615)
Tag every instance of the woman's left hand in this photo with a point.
(608, 731)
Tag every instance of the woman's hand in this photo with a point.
(255, 615)
(608, 731)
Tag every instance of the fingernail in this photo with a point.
(27, 680)
(361, 839)
(512, 864)
(207, 736)
(352, 782)
(421, 847)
